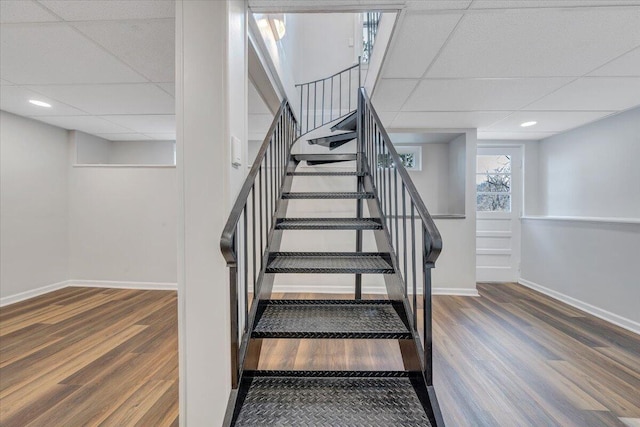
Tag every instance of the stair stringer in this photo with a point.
(411, 349)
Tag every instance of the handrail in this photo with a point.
(329, 77)
(397, 197)
(245, 237)
(432, 230)
(325, 100)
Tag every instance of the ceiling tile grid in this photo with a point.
(90, 60)
(561, 63)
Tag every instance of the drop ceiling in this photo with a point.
(494, 64)
(106, 67)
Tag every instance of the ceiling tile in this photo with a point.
(420, 38)
(593, 93)
(387, 117)
(162, 136)
(548, 121)
(480, 94)
(538, 42)
(626, 65)
(508, 4)
(15, 99)
(391, 94)
(147, 124)
(448, 120)
(99, 10)
(147, 46)
(170, 88)
(529, 136)
(89, 124)
(56, 54)
(13, 11)
(5, 83)
(124, 136)
(437, 5)
(142, 98)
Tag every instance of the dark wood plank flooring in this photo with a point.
(513, 357)
(88, 357)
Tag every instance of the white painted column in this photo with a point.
(211, 82)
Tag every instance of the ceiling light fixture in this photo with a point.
(39, 103)
(527, 124)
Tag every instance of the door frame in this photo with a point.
(517, 204)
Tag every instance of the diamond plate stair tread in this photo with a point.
(329, 224)
(318, 195)
(325, 174)
(345, 402)
(335, 319)
(328, 262)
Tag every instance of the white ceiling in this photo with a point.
(105, 66)
(493, 64)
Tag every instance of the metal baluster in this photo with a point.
(315, 103)
(340, 97)
(308, 96)
(350, 89)
(301, 89)
(395, 192)
(323, 82)
(413, 268)
(246, 269)
(331, 102)
(427, 312)
(253, 240)
(260, 208)
(404, 239)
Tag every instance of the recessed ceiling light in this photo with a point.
(39, 103)
(527, 124)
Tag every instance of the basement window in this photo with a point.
(493, 183)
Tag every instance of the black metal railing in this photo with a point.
(412, 233)
(370, 23)
(245, 238)
(325, 100)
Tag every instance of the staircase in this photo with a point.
(408, 244)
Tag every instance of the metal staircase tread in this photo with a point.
(329, 262)
(318, 173)
(348, 401)
(329, 195)
(330, 319)
(328, 224)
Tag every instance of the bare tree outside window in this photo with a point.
(493, 183)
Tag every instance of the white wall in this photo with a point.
(578, 251)
(142, 152)
(593, 170)
(123, 224)
(33, 207)
(91, 149)
(94, 150)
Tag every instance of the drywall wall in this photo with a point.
(582, 249)
(593, 170)
(91, 149)
(123, 224)
(33, 207)
(142, 152)
(94, 150)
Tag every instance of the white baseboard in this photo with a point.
(150, 286)
(12, 299)
(463, 292)
(375, 290)
(623, 322)
(156, 286)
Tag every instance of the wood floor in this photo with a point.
(511, 358)
(88, 357)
